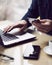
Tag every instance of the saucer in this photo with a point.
(48, 50)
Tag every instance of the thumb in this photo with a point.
(43, 20)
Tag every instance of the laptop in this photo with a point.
(9, 39)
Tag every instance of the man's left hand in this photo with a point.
(44, 25)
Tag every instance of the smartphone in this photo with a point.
(36, 20)
(32, 52)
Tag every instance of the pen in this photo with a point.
(11, 58)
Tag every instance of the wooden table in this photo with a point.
(17, 52)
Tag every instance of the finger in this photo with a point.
(47, 26)
(42, 30)
(46, 23)
(10, 29)
(6, 29)
(45, 20)
(37, 24)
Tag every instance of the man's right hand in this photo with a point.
(22, 25)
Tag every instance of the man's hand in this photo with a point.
(22, 25)
(44, 25)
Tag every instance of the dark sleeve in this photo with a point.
(32, 12)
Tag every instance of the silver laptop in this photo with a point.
(10, 39)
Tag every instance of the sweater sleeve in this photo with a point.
(32, 12)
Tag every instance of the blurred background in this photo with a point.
(13, 10)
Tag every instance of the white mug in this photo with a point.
(50, 44)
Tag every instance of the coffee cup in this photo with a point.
(50, 44)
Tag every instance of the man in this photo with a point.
(42, 8)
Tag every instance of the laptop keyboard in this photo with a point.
(8, 37)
